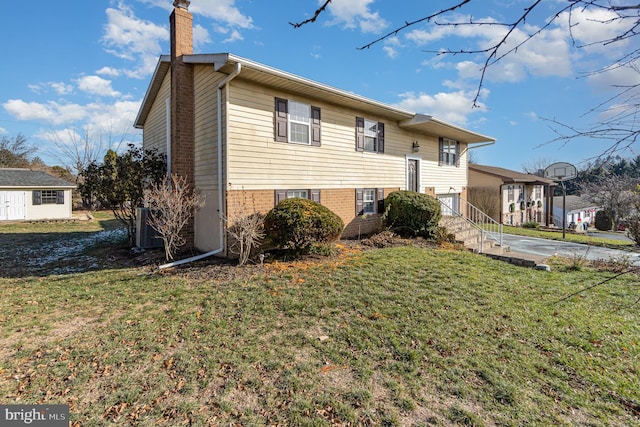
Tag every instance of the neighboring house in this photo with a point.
(517, 197)
(33, 195)
(247, 136)
(578, 210)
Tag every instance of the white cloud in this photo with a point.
(592, 27)
(109, 71)
(616, 75)
(391, 46)
(200, 36)
(118, 115)
(57, 87)
(454, 107)
(3, 130)
(51, 112)
(356, 14)
(222, 11)
(133, 39)
(95, 85)
(547, 54)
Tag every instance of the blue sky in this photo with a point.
(84, 65)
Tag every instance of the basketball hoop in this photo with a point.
(562, 172)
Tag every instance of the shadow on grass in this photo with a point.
(54, 248)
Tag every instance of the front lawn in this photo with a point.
(397, 336)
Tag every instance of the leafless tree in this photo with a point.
(79, 148)
(614, 194)
(15, 152)
(536, 166)
(171, 206)
(246, 228)
(487, 200)
(620, 127)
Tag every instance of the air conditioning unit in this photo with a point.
(146, 236)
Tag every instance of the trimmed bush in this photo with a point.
(531, 224)
(412, 214)
(603, 221)
(297, 224)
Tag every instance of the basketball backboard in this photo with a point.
(561, 171)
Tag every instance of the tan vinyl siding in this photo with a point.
(206, 157)
(256, 161)
(443, 177)
(155, 127)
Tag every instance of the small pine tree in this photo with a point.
(603, 221)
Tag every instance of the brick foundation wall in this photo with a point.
(341, 201)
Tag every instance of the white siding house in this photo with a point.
(33, 195)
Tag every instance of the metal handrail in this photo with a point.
(478, 219)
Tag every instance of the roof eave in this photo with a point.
(437, 127)
(162, 67)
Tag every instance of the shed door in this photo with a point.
(12, 206)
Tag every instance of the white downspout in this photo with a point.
(221, 85)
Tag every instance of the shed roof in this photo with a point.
(511, 177)
(226, 63)
(26, 178)
(575, 203)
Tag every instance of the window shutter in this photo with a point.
(359, 204)
(380, 137)
(315, 126)
(440, 151)
(60, 197)
(280, 195)
(457, 154)
(315, 195)
(380, 199)
(359, 133)
(37, 197)
(281, 120)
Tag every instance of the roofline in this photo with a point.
(37, 187)
(510, 180)
(164, 62)
(219, 60)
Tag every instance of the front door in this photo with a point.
(412, 175)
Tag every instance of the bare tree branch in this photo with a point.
(312, 19)
(412, 23)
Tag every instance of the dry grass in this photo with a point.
(404, 335)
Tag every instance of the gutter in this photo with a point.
(222, 85)
(469, 146)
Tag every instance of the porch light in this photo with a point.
(415, 146)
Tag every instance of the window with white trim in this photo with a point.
(369, 201)
(299, 118)
(303, 194)
(449, 152)
(311, 194)
(369, 135)
(297, 122)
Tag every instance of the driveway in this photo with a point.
(547, 248)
